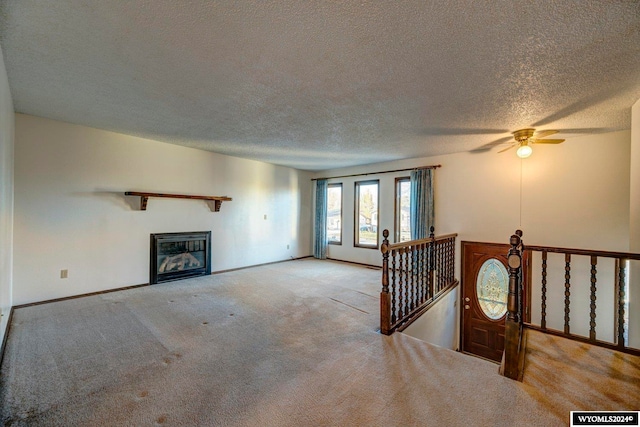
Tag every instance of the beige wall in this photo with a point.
(71, 212)
(6, 196)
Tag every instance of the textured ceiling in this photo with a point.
(325, 84)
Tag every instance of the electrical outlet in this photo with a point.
(265, 216)
(287, 246)
(64, 274)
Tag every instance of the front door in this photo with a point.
(485, 285)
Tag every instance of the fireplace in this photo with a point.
(176, 256)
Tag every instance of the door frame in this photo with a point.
(526, 268)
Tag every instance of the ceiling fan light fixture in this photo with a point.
(524, 151)
(523, 139)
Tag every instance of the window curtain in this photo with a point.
(320, 243)
(421, 203)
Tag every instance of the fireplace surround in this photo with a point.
(176, 256)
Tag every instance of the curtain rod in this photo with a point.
(376, 173)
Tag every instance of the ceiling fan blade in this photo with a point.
(508, 148)
(544, 133)
(547, 141)
(490, 145)
(506, 139)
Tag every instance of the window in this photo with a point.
(366, 215)
(334, 214)
(403, 213)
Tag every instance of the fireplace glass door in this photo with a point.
(176, 256)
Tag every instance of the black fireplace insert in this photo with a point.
(176, 256)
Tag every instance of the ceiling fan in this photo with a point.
(525, 137)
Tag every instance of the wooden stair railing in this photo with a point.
(515, 322)
(414, 275)
(513, 356)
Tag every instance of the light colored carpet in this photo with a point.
(289, 344)
(562, 373)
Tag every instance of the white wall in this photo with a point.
(634, 232)
(439, 325)
(574, 194)
(71, 213)
(458, 192)
(6, 196)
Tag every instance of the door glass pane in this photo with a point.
(492, 288)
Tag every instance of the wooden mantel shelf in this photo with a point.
(144, 197)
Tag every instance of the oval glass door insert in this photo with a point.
(492, 288)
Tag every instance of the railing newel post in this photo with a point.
(515, 263)
(385, 299)
(513, 323)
